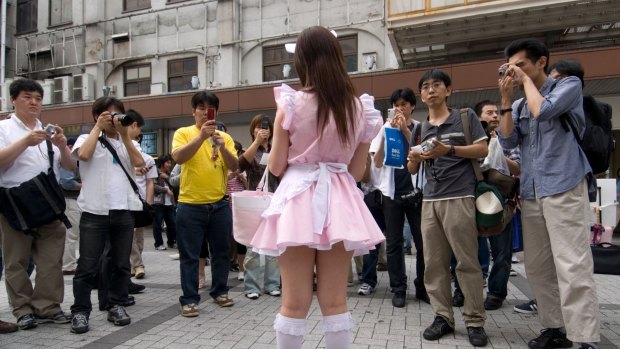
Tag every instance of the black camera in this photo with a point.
(124, 119)
(413, 198)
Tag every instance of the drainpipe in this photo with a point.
(3, 45)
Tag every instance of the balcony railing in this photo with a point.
(399, 8)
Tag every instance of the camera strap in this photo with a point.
(110, 148)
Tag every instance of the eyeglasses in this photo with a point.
(435, 85)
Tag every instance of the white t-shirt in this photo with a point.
(105, 186)
(148, 163)
(32, 161)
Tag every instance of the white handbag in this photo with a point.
(247, 209)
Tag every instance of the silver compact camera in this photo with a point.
(50, 130)
(428, 145)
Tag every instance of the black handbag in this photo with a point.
(606, 258)
(144, 217)
(35, 202)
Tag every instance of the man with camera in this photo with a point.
(107, 158)
(23, 156)
(203, 211)
(448, 210)
(402, 199)
(555, 211)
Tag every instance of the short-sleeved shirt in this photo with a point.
(32, 161)
(203, 181)
(451, 177)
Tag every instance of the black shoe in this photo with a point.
(492, 302)
(118, 316)
(26, 322)
(477, 336)
(381, 267)
(131, 300)
(400, 299)
(79, 323)
(408, 251)
(588, 346)
(458, 299)
(423, 296)
(550, 338)
(133, 288)
(437, 329)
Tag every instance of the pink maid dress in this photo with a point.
(317, 203)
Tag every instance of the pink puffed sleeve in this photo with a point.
(285, 97)
(372, 119)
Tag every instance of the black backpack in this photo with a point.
(597, 142)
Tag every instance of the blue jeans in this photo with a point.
(164, 214)
(194, 224)
(369, 267)
(95, 230)
(252, 272)
(407, 235)
(501, 250)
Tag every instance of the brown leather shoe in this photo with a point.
(7, 327)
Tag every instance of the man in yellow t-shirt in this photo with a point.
(203, 211)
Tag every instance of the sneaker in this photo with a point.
(175, 256)
(252, 295)
(59, 318)
(515, 259)
(513, 272)
(160, 248)
(133, 288)
(527, 308)
(275, 293)
(26, 322)
(234, 268)
(224, 301)
(189, 310)
(399, 300)
(458, 299)
(437, 329)
(241, 276)
(118, 316)
(588, 346)
(477, 336)
(173, 245)
(492, 302)
(8, 327)
(550, 338)
(365, 289)
(79, 323)
(140, 272)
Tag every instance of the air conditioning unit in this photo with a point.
(83, 87)
(5, 102)
(63, 89)
(158, 88)
(48, 91)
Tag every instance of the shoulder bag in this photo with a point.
(35, 202)
(247, 209)
(141, 218)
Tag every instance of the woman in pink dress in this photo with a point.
(317, 218)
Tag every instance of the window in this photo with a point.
(138, 80)
(277, 62)
(149, 143)
(180, 72)
(60, 12)
(135, 5)
(26, 16)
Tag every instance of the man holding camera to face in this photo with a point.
(203, 211)
(23, 156)
(402, 199)
(555, 211)
(106, 201)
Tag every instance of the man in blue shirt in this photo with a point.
(556, 215)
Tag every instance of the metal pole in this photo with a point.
(3, 45)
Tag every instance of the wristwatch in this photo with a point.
(451, 151)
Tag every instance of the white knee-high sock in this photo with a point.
(337, 329)
(289, 332)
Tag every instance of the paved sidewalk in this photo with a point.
(156, 322)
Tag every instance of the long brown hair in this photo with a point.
(320, 65)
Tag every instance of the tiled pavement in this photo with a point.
(156, 322)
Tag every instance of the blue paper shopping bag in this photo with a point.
(395, 152)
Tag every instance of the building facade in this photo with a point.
(154, 54)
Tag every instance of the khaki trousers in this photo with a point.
(137, 247)
(449, 226)
(69, 259)
(558, 262)
(45, 298)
